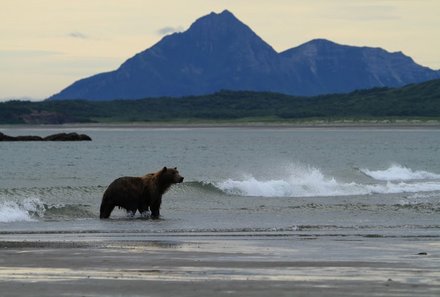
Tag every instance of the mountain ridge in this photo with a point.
(218, 51)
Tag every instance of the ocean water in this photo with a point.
(308, 182)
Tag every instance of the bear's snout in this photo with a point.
(180, 179)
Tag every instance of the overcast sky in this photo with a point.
(45, 45)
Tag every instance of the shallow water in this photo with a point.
(345, 182)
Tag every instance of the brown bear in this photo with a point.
(139, 193)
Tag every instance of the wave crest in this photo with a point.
(18, 212)
(397, 172)
(300, 182)
(30, 209)
(310, 182)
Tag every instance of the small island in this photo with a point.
(53, 137)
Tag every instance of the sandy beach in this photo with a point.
(221, 265)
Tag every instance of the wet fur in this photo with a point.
(139, 193)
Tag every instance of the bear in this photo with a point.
(139, 193)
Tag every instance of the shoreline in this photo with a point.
(219, 266)
(382, 124)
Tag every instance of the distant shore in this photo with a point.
(416, 104)
(343, 123)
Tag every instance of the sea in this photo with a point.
(360, 183)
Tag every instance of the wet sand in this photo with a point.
(218, 265)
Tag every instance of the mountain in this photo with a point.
(219, 52)
(327, 67)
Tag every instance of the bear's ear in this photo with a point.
(164, 169)
(175, 168)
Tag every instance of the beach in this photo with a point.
(217, 265)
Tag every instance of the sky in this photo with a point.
(46, 45)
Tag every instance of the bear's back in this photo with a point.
(127, 184)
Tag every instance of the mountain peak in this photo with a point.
(224, 13)
(218, 51)
(223, 32)
(321, 41)
(213, 20)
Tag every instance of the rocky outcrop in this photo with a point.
(54, 137)
(67, 137)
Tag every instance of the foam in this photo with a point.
(310, 182)
(397, 172)
(11, 211)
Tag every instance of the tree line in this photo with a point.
(416, 100)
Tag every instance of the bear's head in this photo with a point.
(170, 176)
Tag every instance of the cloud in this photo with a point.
(169, 30)
(78, 35)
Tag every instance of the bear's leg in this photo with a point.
(131, 209)
(143, 209)
(155, 214)
(105, 210)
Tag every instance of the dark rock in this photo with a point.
(4, 137)
(67, 137)
(54, 137)
(28, 138)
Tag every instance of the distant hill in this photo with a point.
(412, 101)
(325, 67)
(220, 52)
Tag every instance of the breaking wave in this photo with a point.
(311, 182)
(32, 209)
(18, 212)
(400, 173)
